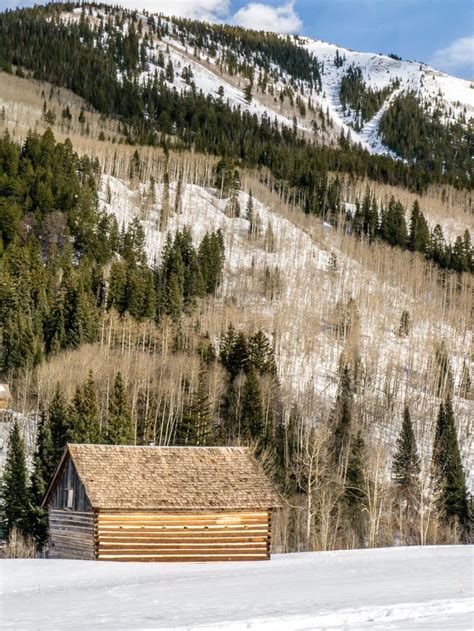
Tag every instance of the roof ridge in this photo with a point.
(158, 446)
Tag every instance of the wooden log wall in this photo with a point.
(200, 536)
(71, 535)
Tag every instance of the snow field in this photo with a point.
(393, 588)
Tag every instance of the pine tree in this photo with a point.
(342, 417)
(59, 423)
(261, 355)
(405, 324)
(250, 208)
(234, 352)
(43, 468)
(248, 96)
(196, 425)
(419, 236)
(406, 463)
(119, 430)
(393, 227)
(170, 71)
(15, 484)
(448, 473)
(85, 413)
(252, 416)
(355, 486)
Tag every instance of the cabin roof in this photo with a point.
(165, 478)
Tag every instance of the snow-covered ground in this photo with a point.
(393, 588)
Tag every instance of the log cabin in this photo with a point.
(125, 503)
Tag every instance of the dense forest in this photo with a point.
(413, 132)
(63, 262)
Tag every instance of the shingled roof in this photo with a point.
(162, 478)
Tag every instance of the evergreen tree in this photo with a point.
(234, 354)
(252, 415)
(250, 208)
(248, 96)
(197, 424)
(406, 463)
(260, 354)
(448, 473)
(419, 237)
(59, 423)
(85, 413)
(342, 418)
(170, 71)
(393, 227)
(43, 468)
(437, 250)
(119, 430)
(15, 484)
(355, 486)
(405, 324)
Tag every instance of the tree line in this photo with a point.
(388, 223)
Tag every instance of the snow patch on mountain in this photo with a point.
(378, 71)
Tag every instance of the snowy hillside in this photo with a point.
(398, 588)
(456, 95)
(299, 316)
(196, 69)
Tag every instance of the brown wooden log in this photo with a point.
(184, 540)
(185, 558)
(178, 515)
(189, 521)
(179, 528)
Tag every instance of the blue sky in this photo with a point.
(440, 32)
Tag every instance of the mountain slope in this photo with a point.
(454, 96)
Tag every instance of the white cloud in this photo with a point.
(458, 57)
(264, 17)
